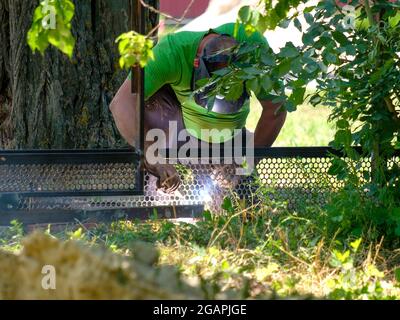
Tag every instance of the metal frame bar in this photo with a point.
(137, 21)
(101, 193)
(36, 217)
(273, 152)
(67, 156)
(129, 155)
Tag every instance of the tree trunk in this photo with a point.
(51, 102)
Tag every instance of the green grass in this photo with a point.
(308, 126)
(262, 252)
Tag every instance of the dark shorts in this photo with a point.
(162, 108)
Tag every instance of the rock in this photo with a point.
(83, 272)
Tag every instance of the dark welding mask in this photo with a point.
(204, 65)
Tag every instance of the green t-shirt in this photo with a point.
(173, 64)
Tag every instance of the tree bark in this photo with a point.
(51, 102)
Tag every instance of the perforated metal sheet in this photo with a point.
(48, 178)
(69, 174)
(296, 175)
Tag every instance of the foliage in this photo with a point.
(350, 282)
(135, 49)
(10, 238)
(357, 210)
(51, 25)
(356, 67)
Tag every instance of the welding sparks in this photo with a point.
(205, 195)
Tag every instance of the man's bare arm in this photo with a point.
(124, 110)
(269, 125)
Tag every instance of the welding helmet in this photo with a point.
(204, 65)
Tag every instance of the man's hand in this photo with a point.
(168, 179)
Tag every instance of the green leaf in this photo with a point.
(355, 244)
(298, 25)
(343, 137)
(252, 71)
(311, 67)
(289, 51)
(245, 13)
(351, 50)
(315, 99)
(222, 72)
(284, 23)
(340, 38)
(57, 32)
(135, 49)
(227, 205)
(297, 97)
(279, 99)
(266, 83)
(297, 65)
(234, 92)
(338, 167)
(342, 124)
(253, 85)
(330, 57)
(202, 82)
(267, 59)
(207, 216)
(397, 274)
(394, 21)
(341, 257)
(290, 106)
(284, 67)
(309, 18)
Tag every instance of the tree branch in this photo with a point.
(151, 8)
(369, 13)
(179, 20)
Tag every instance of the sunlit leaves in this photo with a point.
(297, 97)
(249, 18)
(355, 244)
(397, 274)
(394, 21)
(52, 26)
(135, 49)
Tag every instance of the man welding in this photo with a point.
(181, 59)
